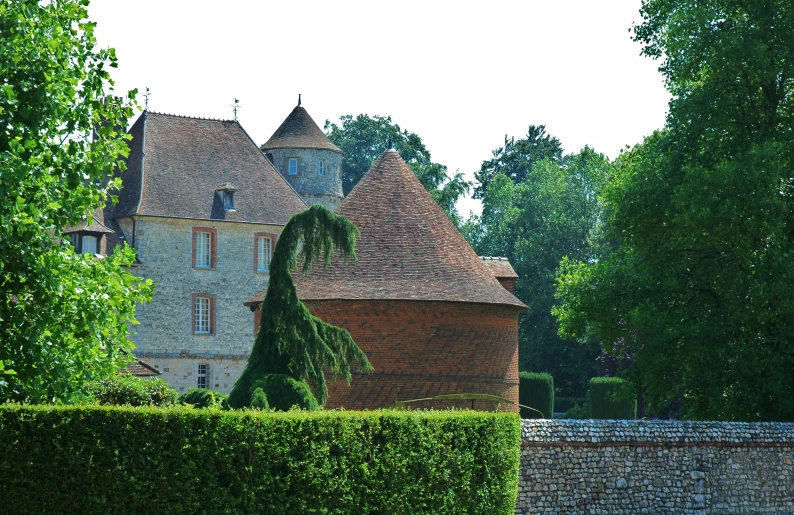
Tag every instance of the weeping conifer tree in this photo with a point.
(291, 341)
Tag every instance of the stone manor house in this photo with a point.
(204, 205)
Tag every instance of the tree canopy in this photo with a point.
(291, 341)
(551, 213)
(697, 297)
(364, 138)
(63, 317)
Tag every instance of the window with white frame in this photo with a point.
(264, 252)
(293, 166)
(201, 312)
(320, 167)
(203, 376)
(203, 250)
(89, 244)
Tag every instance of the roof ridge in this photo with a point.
(192, 117)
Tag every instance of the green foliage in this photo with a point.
(204, 398)
(284, 392)
(516, 158)
(364, 138)
(578, 411)
(63, 317)
(153, 460)
(552, 213)
(698, 295)
(124, 389)
(536, 390)
(612, 398)
(259, 400)
(291, 340)
(563, 404)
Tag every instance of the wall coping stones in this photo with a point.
(655, 433)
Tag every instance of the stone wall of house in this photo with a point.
(313, 188)
(165, 338)
(627, 467)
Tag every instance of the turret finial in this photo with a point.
(299, 99)
(390, 144)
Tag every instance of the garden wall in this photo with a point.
(620, 466)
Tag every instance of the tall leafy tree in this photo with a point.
(63, 317)
(517, 157)
(551, 214)
(364, 138)
(291, 341)
(699, 292)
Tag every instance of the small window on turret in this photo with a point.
(320, 167)
(293, 166)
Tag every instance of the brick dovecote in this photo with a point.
(423, 349)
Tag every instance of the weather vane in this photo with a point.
(235, 107)
(146, 99)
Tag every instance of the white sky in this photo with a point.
(459, 76)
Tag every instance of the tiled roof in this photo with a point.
(177, 163)
(499, 267)
(96, 225)
(299, 131)
(140, 369)
(408, 250)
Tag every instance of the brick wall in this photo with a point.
(423, 349)
(628, 467)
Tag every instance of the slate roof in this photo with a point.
(299, 131)
(499, 267)
(177, 163)
(408, 250)
(95, 226)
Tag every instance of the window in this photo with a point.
(89, 244)
(203, 376)
(264, 244)
(264, 251)
(293, 166)
(228, 200)
(202, 315)
(205, 246)
(320, 167)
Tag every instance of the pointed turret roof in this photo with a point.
(408, 250)
(299, 131)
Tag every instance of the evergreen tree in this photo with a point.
(291, 341)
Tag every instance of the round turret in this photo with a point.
(307, 159)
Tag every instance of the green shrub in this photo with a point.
(124, 389)
(284, 392)
(563, 404)
(578, 411)
(610, 398)
(204, 398)
(259, 400)
(536, 390)
(95, 459)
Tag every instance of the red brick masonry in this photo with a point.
(422, 349)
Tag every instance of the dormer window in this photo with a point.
(226, 191)
(228, 200)
(85, 243)
(293, 166)
(320, 167)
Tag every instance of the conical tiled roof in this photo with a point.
(408, 250)
(299, 131)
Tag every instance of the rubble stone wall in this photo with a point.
(622, 467)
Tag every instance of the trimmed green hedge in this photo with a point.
(204, 398)
(93, 459)
(606, 401)
(536, 390)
